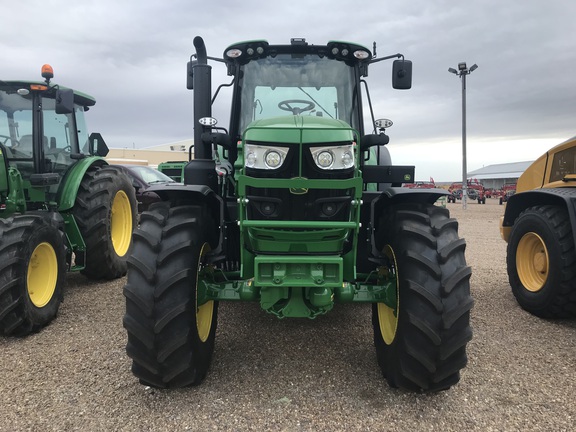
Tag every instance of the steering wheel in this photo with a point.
(5, 138)
(286, 105)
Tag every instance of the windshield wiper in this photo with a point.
(315, 101)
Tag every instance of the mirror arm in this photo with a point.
(376, 60)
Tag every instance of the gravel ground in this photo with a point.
(296, 375)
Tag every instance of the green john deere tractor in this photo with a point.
(296, 207)
(62, 208)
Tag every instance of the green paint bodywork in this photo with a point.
(70, 184)
(17, 196)
(290, 234)
(310, 289)
(74, 240)
(299, 129)
(297, 268)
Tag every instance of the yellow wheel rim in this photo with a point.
(121, 223)
(205, 312)
(532, 262)
(42, 274)
(387, 317)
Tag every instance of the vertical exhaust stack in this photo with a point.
(202, 98)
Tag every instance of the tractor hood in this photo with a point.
(302, 129)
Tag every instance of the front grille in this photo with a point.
(304, 205)
(314, 205)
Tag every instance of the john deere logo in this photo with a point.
(299, 191)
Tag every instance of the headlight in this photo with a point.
(333, 158)
(325, 159)
(264, 157)
(273, 159)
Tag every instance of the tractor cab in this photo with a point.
(42, 134)
(292, 86)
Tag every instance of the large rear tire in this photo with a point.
(32, 273)
(421, 343)
(105, 211)
(541, 262)
(170, 336)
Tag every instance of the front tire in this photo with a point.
(32, 273)
(105, 211)
(421, 343)
(541, 262)
(170, 336)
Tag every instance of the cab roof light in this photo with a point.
(361, 54)
(348, 51)
(234, 53)
(47, 73)
(246, 51)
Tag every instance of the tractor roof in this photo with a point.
(80, 98)
(243, 52)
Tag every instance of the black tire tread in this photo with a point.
(429, 349)
(160, 301)
(92, 212)
(17, 316)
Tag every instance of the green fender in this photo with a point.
(71, 182)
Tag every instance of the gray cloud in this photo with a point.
(132, 57)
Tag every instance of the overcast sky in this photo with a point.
(131, 56)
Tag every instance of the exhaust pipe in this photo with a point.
(202, 79)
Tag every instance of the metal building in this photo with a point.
(495, 176)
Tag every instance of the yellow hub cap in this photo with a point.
(42, 274)
(532, 262)
(387, 317)
(203, 313)
(121, 223)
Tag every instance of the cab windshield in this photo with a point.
(59, 138)
(298, 85)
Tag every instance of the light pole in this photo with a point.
(462, 72)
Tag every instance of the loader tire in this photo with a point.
(32, 273)
(541, 262)
(105, 212)
(422, 345)
(170, 337)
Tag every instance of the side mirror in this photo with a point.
(64, 101)
(97, 146)
(190, 74)
(371, 140)
(402, 74)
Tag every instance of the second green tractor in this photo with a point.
(62, 207)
